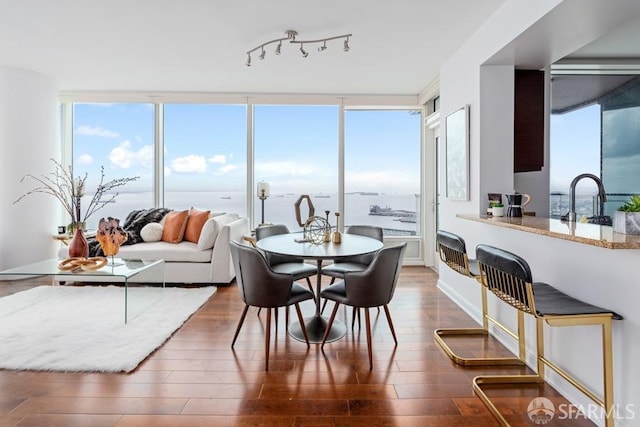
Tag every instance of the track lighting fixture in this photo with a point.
(290, 36)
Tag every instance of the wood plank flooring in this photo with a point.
(196, 379)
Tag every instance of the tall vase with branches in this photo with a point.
(69, 191)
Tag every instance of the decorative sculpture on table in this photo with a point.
(110, 236)
(315, 230)
(311, 212)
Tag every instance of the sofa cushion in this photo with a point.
(152, 232)
(211, 229)
(169, 252)
(195, 221)
(175, 223)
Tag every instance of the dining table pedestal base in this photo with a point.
(316, 326)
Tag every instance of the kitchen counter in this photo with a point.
(589, 234)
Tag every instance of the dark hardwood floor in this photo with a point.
(196, 379)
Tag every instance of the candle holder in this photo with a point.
(336, 237)
(327, 231)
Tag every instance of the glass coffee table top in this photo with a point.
(115, 271)
(116, 267)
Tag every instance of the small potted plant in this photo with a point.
(626, 219)
(497, 209)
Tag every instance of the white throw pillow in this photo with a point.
(151, 232)
(211, 228)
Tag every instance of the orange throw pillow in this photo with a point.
(196, 221)
(174, 226)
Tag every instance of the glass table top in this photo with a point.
(116, 268)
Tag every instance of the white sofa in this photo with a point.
(184, 261)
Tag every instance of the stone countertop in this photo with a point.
(589, 234)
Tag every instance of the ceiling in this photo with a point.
(397, 46)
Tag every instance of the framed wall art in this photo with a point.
(457, 154)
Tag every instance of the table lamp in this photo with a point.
(263, 193)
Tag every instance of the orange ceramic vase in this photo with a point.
(79, 247)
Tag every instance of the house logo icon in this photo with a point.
(541, 411)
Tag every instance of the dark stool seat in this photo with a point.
(551, 302)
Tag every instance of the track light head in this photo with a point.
(346, 44)
(304, 52)
(248, 60)
(277, 52)
(262, 54)
(323, 47)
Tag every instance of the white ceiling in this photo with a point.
(200, 45)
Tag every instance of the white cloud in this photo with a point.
(218, 158)
(189, 164)
(124, 157)
(85, 159)
(96, 131)
(226, 169)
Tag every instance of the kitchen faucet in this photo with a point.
(602, 194)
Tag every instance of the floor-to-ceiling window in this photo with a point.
(205, 152)
(296, 153)
(212, 156)
(119, 138)
(382, 158)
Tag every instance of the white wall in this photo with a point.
(29, 137)
(533, 35)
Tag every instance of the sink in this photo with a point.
(600, 220)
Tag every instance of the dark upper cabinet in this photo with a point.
(528, 126)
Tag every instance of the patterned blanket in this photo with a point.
(132, 225)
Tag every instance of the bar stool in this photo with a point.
(453, 253)
(509, 277)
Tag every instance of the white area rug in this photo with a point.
(81, 328)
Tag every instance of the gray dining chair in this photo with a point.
(260, 286)
(354, 263)
(286, 264)
(372, 287)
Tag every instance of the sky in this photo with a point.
(206, 147)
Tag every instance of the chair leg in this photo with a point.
(393, 331)
(310, 285)
(355, 312)
(275, 310)
(302, 326)
(367, 319)
(324, 304)
(267, 340)
(244, 314)
(333, 316)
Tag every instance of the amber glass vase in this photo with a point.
(79, 247)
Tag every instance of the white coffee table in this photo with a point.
(116, 271)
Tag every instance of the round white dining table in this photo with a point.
(350, 245)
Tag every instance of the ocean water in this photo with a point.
(279, 208)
